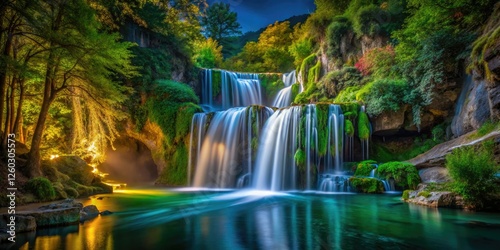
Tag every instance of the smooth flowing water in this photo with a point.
(204, 219)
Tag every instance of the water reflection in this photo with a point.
(246, 220)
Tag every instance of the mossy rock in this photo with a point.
(41, 188)
(73, 166)
(367, 185)
(364, 168)
(405, 174)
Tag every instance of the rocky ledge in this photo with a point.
(62, 213)
(433, 199)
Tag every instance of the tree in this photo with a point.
(78, 56)
(221, 24)
(207, 54)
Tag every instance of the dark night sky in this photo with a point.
(255, 14)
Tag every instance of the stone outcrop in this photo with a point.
(434, 175)
(23, 223)
(434, 199)
(152, 136)
(389, 123)
(436, 156)
(89, 212)
(472, 109)
(74, 167)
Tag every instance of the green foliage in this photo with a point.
(405, 174)
(336, 30)
(300, 49)
(363, 126)
(314, 73)
(347, 95)
(366, 23)
(207, 54)
(41, 188)
(307, 63)
(485, 129)
(383, 95)
(386, 153)
(269, 54)
(424, 194)
(300, 158)
(221, 23)
(367, 185)
(348, 128)
(364, 168)
(322, 111)
(406, 194)
(337, 81)
(473, 169)
(295, 90)
(271, 84)
(480, 46)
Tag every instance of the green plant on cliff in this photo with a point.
(41, 188)
(307, 63)
(271, 84)
(473, 170)
(383, 95)
(172, 106)
(349, 128)
(405, 174)
(336, 30)
(363, 126)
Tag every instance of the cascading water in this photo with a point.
(284, 96)
(297, 147)
(224, 89)
(225, 153)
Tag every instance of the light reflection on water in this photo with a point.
(203, 219)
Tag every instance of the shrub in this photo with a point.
(334, 35)
(473, 169)
(406, 194)
(207, 54)
(367, 185)
(383, 95)
(377, 61)
(404, 174)
(41, 188)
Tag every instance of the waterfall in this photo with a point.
(284, 96)
(275, 164)
(457, 125)
(196, 138)
(243, 144)
(226, 152)
(224, 89)
(283, 157)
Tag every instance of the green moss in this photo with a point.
(295, 90)
(300, 158)
(363, 126)
(405, 174)
(41, 188)
(367, 185)
(271, 84)
(176, 172)
(486, 128)
(314, 74)
(306, 64)
(216, 83)
(183, 119)
(406, 194)
(349, 128)
(424, 194)
(322, 111)
(71, 192)
(364, 168)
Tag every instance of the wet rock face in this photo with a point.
(434, 174)
(388, 123)
(23, 223)
(475, 109)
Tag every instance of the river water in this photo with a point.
(225, 219)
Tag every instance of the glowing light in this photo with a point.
(52, 157)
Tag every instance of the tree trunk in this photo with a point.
(19, 108)
(33, 165)
(3, 75)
